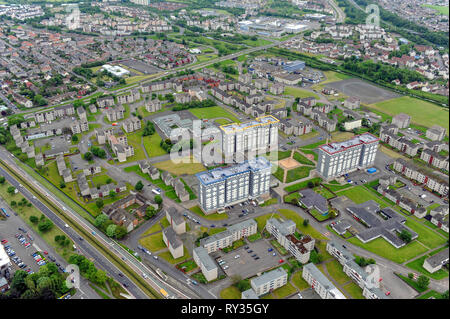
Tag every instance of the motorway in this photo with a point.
(85, 247)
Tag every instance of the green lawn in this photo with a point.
(332, 76)
(279, 174)
(426, 236)
(412, 283)
(354, 291)
(335, 270)
(382, 248)
(324, 192)
(152, 145)
(197, 210)
(302, 159)
(441, 9)
(277, 156)
(154, 242)
(290, 197)
(284, 291)
(262, 220)
(316, 156)
(155, 228)
(212, 113)
(301, 185)
(359, 194)
(269, 202)
(167, 256)
(431, 293)
(299, 282)
(317, 215)
(421, 112)
(312, 146)
(230, 293)
(298, 173)
(297, 92)
(187, 266)
(190, 168)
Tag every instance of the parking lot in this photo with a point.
(21, 243)
(245, 265)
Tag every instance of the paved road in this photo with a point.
(137, 266)
(8, 229)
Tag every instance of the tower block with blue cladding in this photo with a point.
(259, 135)
(230, 185)
(339, 158)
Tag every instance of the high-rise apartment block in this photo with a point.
(226, 186)
(339, 158)
(259, 135)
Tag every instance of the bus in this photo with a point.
(164, 293)
(4, 212)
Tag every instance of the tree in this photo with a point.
(74, 138)
(2, 180)
(13, 203)
(405, 236)
(111, 230)
(11, 189)
(45, 225)
(305, 222)
(62, 184)
(150, 212)
(315, 258)
(120, 232)
(112, 194)
(100, 220)
(88, 156)
(99, 203)
(139, 186)
(410, 275)
(34, 219)
(423, 282)
(158, 199)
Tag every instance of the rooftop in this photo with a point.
(237, 127)
(268, 277)
(333, 148)
(206, 259)
(222, 173)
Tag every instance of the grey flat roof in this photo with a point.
(319, 276)
(223, 173)
(312, 199)
(242, 225)
(206, 259)
(172, 237)
(282, 226)
(438, 259)
(341, 226)
(268, 277)
(355, 141)
(233, 127)
(175, 215)
(250, 294)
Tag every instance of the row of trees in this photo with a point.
(109, 228)
(88, 269)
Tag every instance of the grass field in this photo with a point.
(434, 115)
(332, 76)
(152, 145)
(212, 113)
(359, 194)
(298, 173)
(196, 210)
(302, 159)
(382, 248)
(297, 92)
(441, 9)
(426, 236)
(180, 168)
(341, 136)
(154, 242)
(262, 220)
(299, 282)
(301, 185)
(354, 291)
(230, 293)
(284, 291)
(167, 256)
(335, 270)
